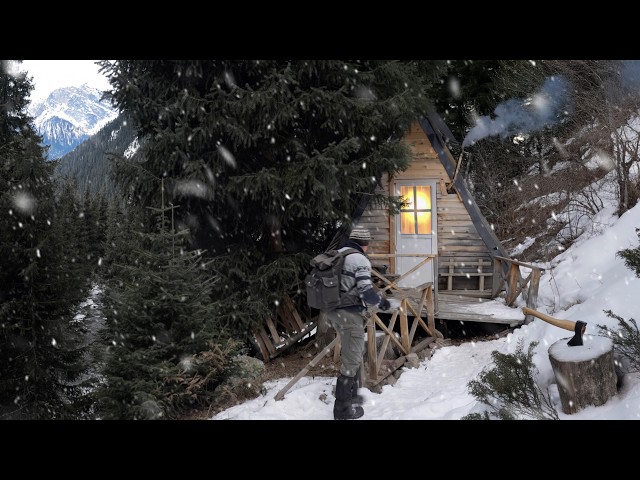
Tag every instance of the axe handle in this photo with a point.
(566, 324)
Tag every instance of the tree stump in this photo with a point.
(585, 374)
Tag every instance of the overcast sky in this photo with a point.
(49, 75)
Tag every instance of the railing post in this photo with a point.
(404, 326)
(498, 277)
(532, 297)
(513, 280)
(372, 348)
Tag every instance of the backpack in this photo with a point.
(323, 281)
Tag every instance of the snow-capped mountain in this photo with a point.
(69, 116)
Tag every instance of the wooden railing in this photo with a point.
(507, 277)
(414, 300)
(422, 297)
(394, 284)
(464, 267)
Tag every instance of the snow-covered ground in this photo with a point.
(579, 284)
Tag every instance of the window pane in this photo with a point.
(418, 198)
(424, 223)
(423, 200)
(407, 223)
(407, 193)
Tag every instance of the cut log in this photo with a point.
(585, 374)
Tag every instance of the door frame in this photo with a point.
(433, 184)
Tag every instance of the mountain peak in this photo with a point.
(70, 115)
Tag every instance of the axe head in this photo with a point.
(579, 329)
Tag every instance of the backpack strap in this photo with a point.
(349, 251)
(349, 297)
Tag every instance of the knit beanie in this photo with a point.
(361, 235)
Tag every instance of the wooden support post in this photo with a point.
(512, 282)
(431, 314)
(404, 327)
(371, 345)
(498, 278)
(532, 298)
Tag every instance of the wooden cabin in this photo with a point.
(441, 218)
(439, 254)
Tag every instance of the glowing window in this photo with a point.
(415, 217)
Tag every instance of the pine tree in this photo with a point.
(268, 159)
(631, 256)
(510, 390)
(41, 353)
(164, 349)
(469, 88)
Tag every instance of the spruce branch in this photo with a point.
(510, 389)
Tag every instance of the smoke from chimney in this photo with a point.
(524, 116)
(630, 75)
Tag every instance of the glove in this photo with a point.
(384, 304)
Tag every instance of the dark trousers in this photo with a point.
(350, 328)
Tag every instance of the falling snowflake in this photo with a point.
(227, 156)
(24, 202)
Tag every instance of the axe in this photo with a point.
(577, 327)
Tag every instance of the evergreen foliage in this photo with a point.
(41, 277)
(268, 159)
(631, 256)
(466, 89)
(510, 390)
(626, 340)
(164, 347)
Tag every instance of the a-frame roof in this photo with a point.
(439, 135)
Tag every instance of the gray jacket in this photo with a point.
(356, 278)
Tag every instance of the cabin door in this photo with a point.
(416, 230)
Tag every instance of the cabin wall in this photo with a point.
(459, 243)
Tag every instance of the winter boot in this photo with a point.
(355, 398)
(343, 409)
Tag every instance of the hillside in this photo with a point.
(89, 165)
(580, 283)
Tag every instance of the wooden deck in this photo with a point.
(451, 306)
(486, 302)
(471, 308)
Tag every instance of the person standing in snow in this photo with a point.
(349, 322)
